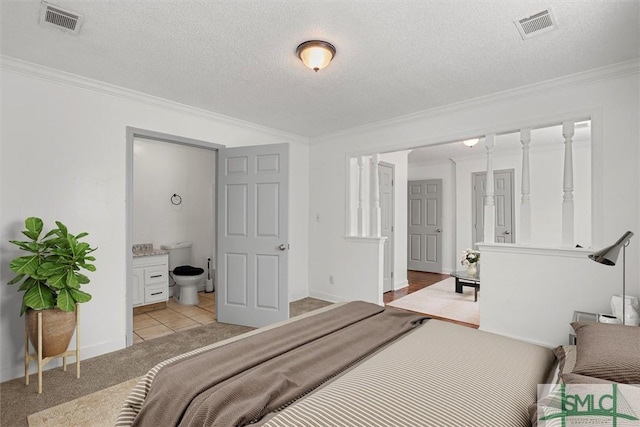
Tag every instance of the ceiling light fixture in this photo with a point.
(471, 142)
(316, 54)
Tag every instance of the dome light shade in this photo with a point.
(316, 54)
(471, 142)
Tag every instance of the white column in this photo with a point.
(525, 203)
(489, 201)
(567, 186)
(374, 186)
(361, 212)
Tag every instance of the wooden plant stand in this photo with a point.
(28, 357)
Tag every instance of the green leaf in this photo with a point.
(62, 228)
(82, 279)
(80, 296)
(90, 258)
(51, 233)
(34, 225)
(58, 281)
(81, 235)
(16, 279)
(39, 297)
(82, 248)
(66, 301)
(26, 246)
(72, 280)
(47, 269)
(27, 284)
(25, 264)
(89, 267)
(23, 309)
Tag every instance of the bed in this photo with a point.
(347, 364)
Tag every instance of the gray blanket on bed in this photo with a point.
(241, 382)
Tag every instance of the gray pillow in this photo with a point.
(610, 352)
(566, 355)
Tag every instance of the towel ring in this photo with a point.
(176, 200)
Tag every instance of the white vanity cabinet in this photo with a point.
(150, 279)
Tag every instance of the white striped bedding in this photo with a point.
(439, 375)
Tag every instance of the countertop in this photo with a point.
(147, 249)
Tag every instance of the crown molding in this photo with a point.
(578, 79)
(30, 69)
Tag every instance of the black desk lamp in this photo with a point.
(609, 256)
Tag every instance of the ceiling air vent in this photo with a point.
(62, 19)
(537, 24)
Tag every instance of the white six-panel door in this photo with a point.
(425, 226)
(253, 203)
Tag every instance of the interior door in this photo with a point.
(505, 210)
(253, 206)
(385, 175)
(425, 226)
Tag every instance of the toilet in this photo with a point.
(186, 277)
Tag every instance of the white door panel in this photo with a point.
(425, 225)
(386, 177)
(504, 205)
(252, 230)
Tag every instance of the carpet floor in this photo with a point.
(441, 301)
(17, 400)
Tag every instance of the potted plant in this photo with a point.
(51, 279)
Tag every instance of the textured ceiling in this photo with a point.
(237, 58)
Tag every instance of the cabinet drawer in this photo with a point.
(155, 294)
(155, 275)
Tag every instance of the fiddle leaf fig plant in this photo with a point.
(50, 275)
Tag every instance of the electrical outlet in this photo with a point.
(330, 279)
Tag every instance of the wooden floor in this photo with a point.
(417, 280)
(420, 280)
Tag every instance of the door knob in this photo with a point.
(507, 232)
(282, 247)
(438, 230)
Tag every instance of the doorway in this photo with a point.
(167, 224)
(504, 206)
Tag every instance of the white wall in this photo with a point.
(609, 95)
(400, 161)
(63, 158)
(445, 171)
(161, 169)
(521, 302)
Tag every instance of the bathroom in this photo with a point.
(173, 202)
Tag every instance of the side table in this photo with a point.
(581, 316)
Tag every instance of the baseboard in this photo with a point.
(298, 294)
(326, 297)
(17, 370)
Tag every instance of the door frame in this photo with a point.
(511, 173)
(132, 133)
(392, 238)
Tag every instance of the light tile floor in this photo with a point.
(175, 317)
